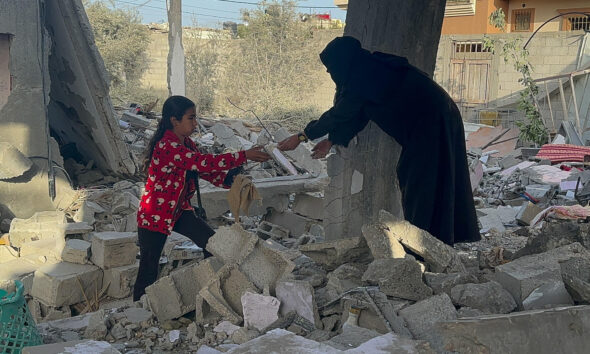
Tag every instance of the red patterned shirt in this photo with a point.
(167, 191)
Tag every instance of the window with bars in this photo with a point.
(469, 47)
(577, 23)
(523, 20)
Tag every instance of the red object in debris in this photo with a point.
(563, 153)
(323, 16)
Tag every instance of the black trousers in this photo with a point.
(151, 244)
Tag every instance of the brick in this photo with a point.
(268, 230)
(114, 249)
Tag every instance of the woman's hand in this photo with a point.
(290, 143)
(257, 154)
(321, 149)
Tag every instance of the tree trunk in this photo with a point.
(363, 176)
(176, 67)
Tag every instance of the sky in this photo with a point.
(211, 13)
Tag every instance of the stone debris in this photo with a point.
(275, 284)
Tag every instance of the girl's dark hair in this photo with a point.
(174, 106)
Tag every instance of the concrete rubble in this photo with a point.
(275, 283)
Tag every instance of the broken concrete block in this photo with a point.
(18, 269)
(551, 294)
(282, 341)
(164, 299)
(260, 311)
(377, 312)
(334, 253)
(120, 280)
(244, 335)
(576, 277)
(423, 315)
(226, 327)
(66, 283)
(347, 276)
(523, 275)
(444, 282)
(12, 162)
(79, 346)
(76, 251)
(231, 244)
(381, 243)
(137, 315)
(560, 330)
(440, 257)
(268, 230)
(42, 225)
(552, 235)
(211, 304)
(309, 206)
(114, 249)
(124, 203)
(397, 277)
(351, 337)
(265, 266)
(527, 213)
(298, 296)
(296, 224)
(87, 211)
(488, 297)
(233, 284)
(45, 247)
(7, 254)
(392, 343)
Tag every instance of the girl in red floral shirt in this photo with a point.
(172, 161)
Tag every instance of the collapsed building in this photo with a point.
(54, 102)
(276, 282)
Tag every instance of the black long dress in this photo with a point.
(419, 114)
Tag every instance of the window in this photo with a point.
(576, 23)
(523, 20)
(469, 47)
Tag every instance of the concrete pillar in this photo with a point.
(176, 77)
(363, 177)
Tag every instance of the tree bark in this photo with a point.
(363, 176)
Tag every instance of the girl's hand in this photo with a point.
(321, 149)
(290, 143)
(257, 154)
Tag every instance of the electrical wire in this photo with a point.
(184, 12)
(298, 6)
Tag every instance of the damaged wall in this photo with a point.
(22, 118)
(55, 71)
(80, 110)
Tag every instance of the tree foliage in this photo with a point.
(122, 42)
(273, 68)
(532, 129)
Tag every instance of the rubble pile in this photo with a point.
(274, 284)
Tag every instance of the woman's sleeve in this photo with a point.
(170, 153)
(344, 115)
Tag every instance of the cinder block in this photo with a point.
(42, 225)
(231, 244)
(309, 206)
(523, 275)
(268, 230)
(66, 283)
(296, 224)
(76, 251)
(114, 249)
(298, 296)
(120, 280)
